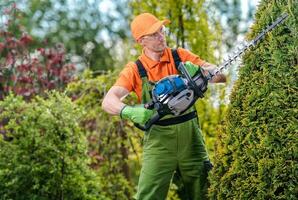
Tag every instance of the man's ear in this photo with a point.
(140, 41)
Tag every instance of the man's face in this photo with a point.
(155, 42)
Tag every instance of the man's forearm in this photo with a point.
(112, 102)
(112, 106)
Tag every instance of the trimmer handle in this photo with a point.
(148, 124)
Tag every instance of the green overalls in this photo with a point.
(166, 149)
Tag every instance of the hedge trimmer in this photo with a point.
(176, 93)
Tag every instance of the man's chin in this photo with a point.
(161, 49)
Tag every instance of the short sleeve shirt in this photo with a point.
(130, 79)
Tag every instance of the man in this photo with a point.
(167, 148)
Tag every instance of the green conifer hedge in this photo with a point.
(44, 153)
(257, 150)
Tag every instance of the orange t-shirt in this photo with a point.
(130, 79)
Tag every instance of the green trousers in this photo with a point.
(177, 148)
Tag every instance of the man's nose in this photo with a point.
(160, 35)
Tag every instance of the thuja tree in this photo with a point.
(211, 114)
(46, 155)
(256, 153)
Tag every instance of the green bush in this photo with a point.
(256, 153)
(46, 155)
(109, 138)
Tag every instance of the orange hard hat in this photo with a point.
(146, 24)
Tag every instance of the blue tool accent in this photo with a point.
(169, 86)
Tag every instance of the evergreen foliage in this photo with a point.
(256, 153)
(211, 115)
(44, 153)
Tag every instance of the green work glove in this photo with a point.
(191, 68)
(138, 114)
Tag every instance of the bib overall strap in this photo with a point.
(146, 87)
(176, 58)
(141, 69)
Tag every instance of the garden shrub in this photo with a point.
(112, 143)
(44, 152)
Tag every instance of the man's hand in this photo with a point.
(206, 69)
(191, 68)
(138, 114)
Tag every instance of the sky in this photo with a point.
(245, 2)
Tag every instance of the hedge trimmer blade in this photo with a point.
(247, 46)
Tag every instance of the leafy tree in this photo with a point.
(24, 69)
(46, 156)
(256, 153)
(86, 29)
